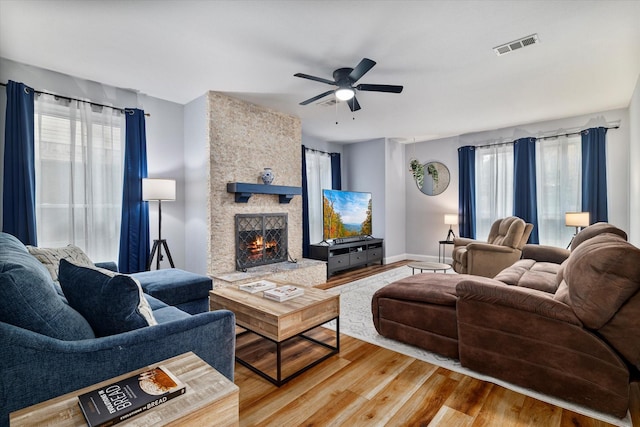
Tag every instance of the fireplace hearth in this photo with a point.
(260, 239)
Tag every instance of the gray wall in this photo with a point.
(164, 135)
(395, 202)
(196, 159)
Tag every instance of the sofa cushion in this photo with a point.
(174, 286)
(28, 298)
(50, 257)
(529, 273)
(112, 303)
(601, 274)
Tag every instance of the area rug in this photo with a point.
(356, 321)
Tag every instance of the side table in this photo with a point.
(210, 399)
(442, 248)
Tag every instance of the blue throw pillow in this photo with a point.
(28, 298)
(112, 303)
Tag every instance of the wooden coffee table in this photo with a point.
(210, 399)
(281, 322)
(435, 266)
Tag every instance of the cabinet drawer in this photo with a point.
(338, 262)
(356, 258)
(374, 255)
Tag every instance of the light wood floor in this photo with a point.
(366, 385)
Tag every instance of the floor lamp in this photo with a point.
(159, 189)
(577, 220)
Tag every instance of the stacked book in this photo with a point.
(283, 293)
(255, 287)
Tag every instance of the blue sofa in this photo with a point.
(47, 348)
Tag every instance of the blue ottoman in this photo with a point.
(182, 289)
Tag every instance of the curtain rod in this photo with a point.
(498, 144)
(317, 151)
(123, 110)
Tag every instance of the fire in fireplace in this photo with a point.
(260, 239)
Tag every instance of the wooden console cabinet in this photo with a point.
(350, 254)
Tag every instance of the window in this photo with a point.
(318, 179)
(494, 186)
(79, 166)
(558, 182)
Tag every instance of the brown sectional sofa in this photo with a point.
(566, 325)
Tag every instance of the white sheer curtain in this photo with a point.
(79, 166)
(318, 179)
(494, 186)
(558, 181)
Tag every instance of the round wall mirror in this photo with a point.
(432, 178)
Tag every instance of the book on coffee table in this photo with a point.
(255, 287)
(131, 396)
(283, 293)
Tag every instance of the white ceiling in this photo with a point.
(588, 59)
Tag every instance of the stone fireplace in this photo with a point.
(261, 239)
(242, 140)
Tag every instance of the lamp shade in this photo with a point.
(451, 219)
(158, 189)
(576, 219)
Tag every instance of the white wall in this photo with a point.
(196, 159)
(634, 170)
(164, 135)
(321, 145)
(425, 214)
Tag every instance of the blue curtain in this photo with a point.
(336, 172)
(525, 204)
(467, 191)
(594, 174)
(19, 185)
(305, 206)
(134, 230)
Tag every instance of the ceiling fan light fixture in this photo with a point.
(345, 93)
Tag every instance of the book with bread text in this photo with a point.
(121, 400)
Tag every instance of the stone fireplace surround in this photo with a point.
(243, 139)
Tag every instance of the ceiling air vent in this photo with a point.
(516, 44)
(328, 103)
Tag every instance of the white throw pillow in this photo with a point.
(50, 258)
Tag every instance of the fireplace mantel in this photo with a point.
(244, 191)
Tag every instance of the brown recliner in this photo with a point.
(581, 344)
(503, 247)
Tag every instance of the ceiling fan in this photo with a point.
(345, 78)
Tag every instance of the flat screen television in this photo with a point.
(346, 213)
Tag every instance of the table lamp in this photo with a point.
(451, 220)
(159, 189)
(577, 220)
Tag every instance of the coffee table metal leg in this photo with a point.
(278, 381)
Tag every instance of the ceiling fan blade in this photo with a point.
(361, 69)
(315, 98)
(380, 88)
(317, 79)
(353, 104)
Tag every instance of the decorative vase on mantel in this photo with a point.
(267, 176)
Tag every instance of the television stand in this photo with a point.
(348, 254)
